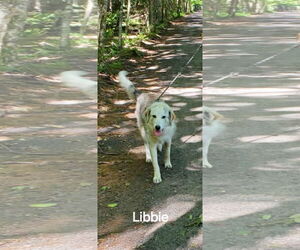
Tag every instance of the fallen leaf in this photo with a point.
(295, 217)
(243, 233)
(266, 216)
(86, 184)
(112, 205)
(42, 205)
(19, 188)
(104, 188)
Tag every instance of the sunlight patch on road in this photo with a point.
(290, 240)
(185, 92)
(179, 104)
(253, 92)
(153, 67)
(5, 138)
(293, 149)
(197, 117)
(285, 109)
(235, 104)
(279, 166)
(137, 150)
(191, 138)
(215, 209)
(270, 138)
(89, 115)
(122, 102)
(67, 102)
(174, 207)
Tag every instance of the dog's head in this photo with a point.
(158, 116)
(210, 115)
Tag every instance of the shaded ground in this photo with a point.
(47, 155)
(126, 179)
(253, 188)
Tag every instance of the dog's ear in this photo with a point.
(207, 117)
(146, 115)
(172, 115)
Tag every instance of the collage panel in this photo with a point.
(48, 127)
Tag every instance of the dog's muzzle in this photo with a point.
(157, 131)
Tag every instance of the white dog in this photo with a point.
(212, 127)
(75, 80)
(156, 122)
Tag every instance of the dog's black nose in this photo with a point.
(157, 127)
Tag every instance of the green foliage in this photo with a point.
(39, 23)
(111, 20)
(130, 52)
(51, 67)
(79, 39)
(130, 41)
(144, 23)
(221, 8)
(111, 67)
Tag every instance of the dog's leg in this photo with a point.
(206, 143)
(157, 176)
(167, 155)
(148, 155)
(147, 150)
(159, 147)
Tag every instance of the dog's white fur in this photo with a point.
(152, 114)
(212, 127)
(75, 80)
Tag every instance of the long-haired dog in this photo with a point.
(156, 122)
(212, 127)
(75, 80)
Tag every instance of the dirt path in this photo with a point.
(47, 155)
(126, 179)
(254, 187)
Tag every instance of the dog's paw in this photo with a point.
(148, 159)
(207, 165)
(157, 179)
(168, 165)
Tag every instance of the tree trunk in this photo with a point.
(5, 17)
(13, 30)
(120, 24)
(150, 18)
(247, 4)
(262, 6)
(37, 5)
(179, 3)
(254, 7)
(233, 8)
(65, 26)
(163, 6)
(103, 6)
(158, 16)
(128, 15)
(87, 14)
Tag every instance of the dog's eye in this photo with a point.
(154, 116)
(163, 117)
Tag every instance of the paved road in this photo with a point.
(256, 162)
(47, 155)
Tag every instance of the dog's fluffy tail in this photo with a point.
(74, 79)
(127, 85)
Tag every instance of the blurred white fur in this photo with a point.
(212, 127)
(75, 80)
